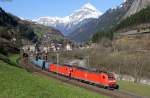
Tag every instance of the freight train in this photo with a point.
(97, 77)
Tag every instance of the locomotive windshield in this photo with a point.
(111, 77)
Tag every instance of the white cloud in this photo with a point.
(124, 0)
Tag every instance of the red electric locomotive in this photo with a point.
(101, 78)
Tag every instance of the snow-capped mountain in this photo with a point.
(104, 23)
(68, 23)
(108, 20)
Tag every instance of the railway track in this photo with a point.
(110, 93)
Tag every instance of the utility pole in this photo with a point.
(57, 56)
(88, 60)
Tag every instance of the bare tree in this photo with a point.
(137, 63)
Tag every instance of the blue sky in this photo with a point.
(31, 9)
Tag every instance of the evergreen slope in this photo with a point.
(141, 17)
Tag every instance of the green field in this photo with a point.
(135, 88)
(17, 83)
(13, 57)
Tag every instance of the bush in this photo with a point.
(100, 35)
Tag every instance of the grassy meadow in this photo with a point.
(18, 83)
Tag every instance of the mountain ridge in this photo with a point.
(104, 23)
(136, 6)
(66, 24)
(108, 20)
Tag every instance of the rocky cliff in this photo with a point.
(136, 6)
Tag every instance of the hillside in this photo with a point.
(137, 6)
(13, 29)
(129, 47)
(18, 83)
(141, 17)
(41, 30)
(133, 21)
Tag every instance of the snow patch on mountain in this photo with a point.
(66, 24)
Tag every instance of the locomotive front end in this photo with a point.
(112, 82)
